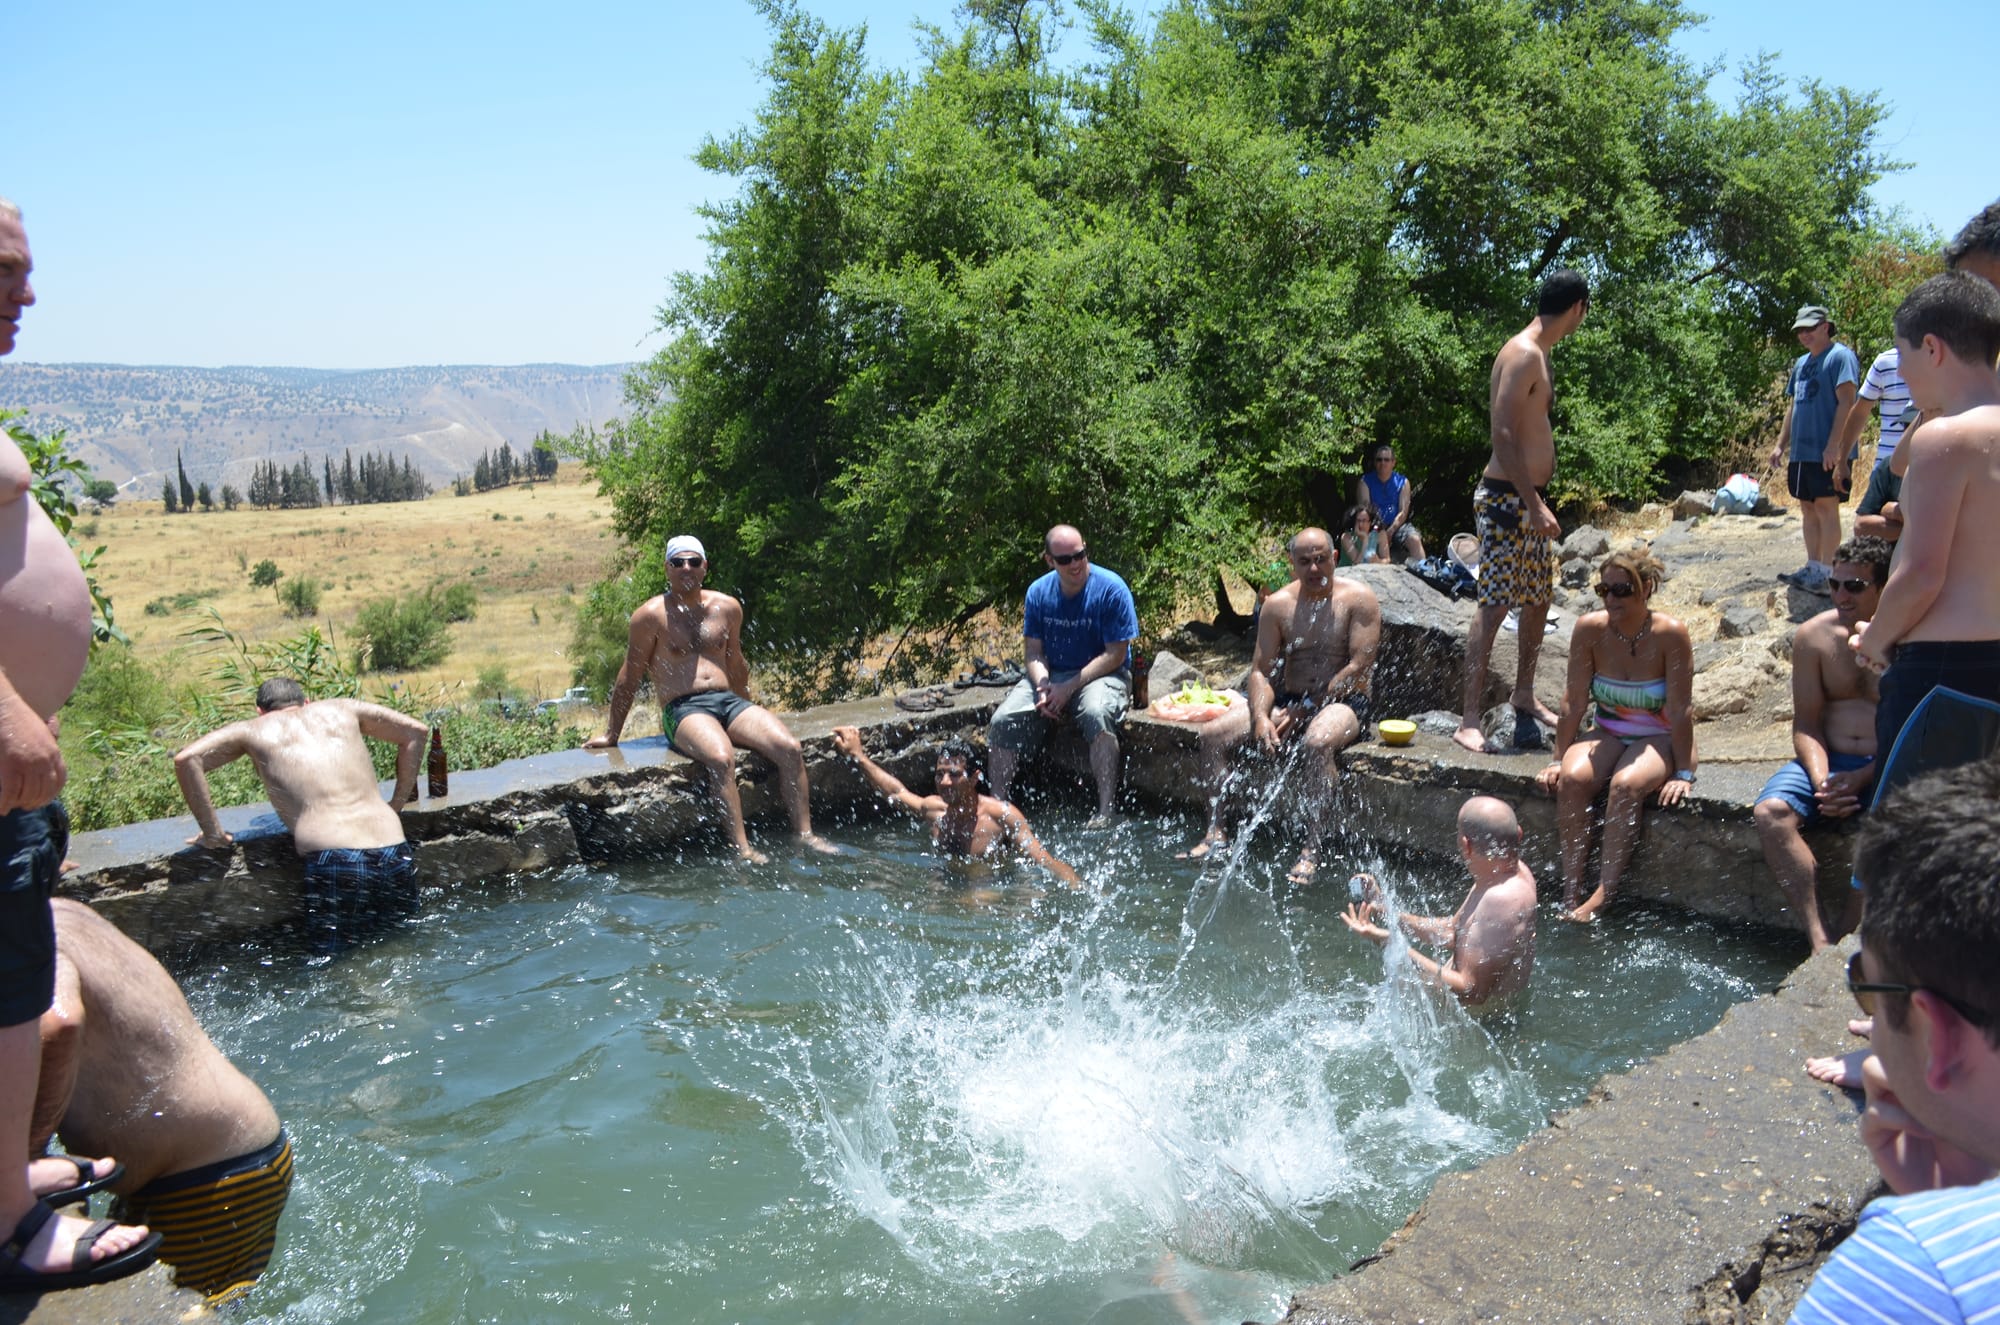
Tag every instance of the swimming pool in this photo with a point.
(834, 1090)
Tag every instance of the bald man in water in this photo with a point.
(1491, 937)
(124, 1060)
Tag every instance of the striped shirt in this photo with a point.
(1885, 383)
(1932, 1256)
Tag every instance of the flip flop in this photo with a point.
(18, 1278)
(85, 1182)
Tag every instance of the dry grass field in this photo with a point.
(531, 554)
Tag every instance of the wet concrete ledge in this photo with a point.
(1704, 1185)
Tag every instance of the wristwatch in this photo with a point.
(1686, 775)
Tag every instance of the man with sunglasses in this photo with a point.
(1930, 860)
(1833, 736)
(1078, 625)
(689, 643)
(1388, 492)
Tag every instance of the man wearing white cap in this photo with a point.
(1821, 392)
(689, 642)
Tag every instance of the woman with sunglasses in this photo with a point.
(1634, 669)
(1363, 544)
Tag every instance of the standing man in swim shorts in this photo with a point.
(689, 642)
(313, 759)
(44, 643)
(1821, 388)
(124, 1061)
(1316, 644)
(1939, 621)
(1517, 530)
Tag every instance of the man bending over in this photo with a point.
(1491, 937)
(963, 822)
(313, 759)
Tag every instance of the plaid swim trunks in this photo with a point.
(1516, 566)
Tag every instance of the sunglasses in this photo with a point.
(1069, 558)
(1864, 992)
(684, 563)
(1605, 590)
(1385, 460)
(1852, 586)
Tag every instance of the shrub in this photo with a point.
(460, 602)
(300, 595)
(265, 574)
(492, 682)
(401, 636)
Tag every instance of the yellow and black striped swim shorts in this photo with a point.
(219, 1223)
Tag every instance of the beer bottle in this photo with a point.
(440, 781)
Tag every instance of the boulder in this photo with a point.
(1740, 620)
(1170, 674)
(1501, 723)
(1714, 653)
(1421, 664)
(1576, 572)
(1586, 541)
(1780, 646)
(1730, 688)
(1693, 502)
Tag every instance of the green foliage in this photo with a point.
(457, 602)
(492, 682)
(184, 601)
(1171, 295)
(101, 492)
(265, 574)
(53, 472)
(402, 635)
(300, 595)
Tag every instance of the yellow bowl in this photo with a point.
(1395, 731)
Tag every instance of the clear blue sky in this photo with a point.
(369, 184)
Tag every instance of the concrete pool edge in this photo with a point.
(1697, 1239)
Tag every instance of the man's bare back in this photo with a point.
(1493, 938)
(140, 1077)
(315, 765)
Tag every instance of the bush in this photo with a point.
(460, 602)
(300, 595)
(265, 574)
(492, 682)
(401, 636)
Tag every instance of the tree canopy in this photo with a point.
(1170, 293)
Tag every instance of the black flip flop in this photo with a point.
(83, 1272)
(85, 1183)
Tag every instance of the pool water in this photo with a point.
(855, 1089)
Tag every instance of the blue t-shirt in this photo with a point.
(1075, 630)
(1815, 398)
(1930, 1256)
(1387, 496)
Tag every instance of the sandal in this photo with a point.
(83, 1272)
(86, 1181)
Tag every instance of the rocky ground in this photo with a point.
(1721, 581)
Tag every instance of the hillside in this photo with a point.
(126, 423)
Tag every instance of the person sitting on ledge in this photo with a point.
(1634, 668)
(1316, 644)
(1833, 736)
(313, 759)
(1362, 543)
(689, 642)
(1491, 937)
(1387, 493)
(206, 1163)
(1929, 858)
(963, 822)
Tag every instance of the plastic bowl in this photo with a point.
(1395, 731)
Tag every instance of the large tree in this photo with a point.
(1170, 295)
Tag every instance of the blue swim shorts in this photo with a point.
(1791, 785)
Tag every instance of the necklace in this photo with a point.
(1632, 641)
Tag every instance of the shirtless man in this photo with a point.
(314, 761)
(1491, 937)
(44, 642)
(1833, 736)
(123, 1060)
(1517, 529)
(689, 643)
(1939, 619)
(963, 822)
(1316, 643)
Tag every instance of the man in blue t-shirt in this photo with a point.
(1078, 626)
(1929, 859)
(1819, 393)
(1388, 491)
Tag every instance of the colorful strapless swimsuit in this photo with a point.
(1631, 710)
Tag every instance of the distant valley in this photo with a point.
(126, 423)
